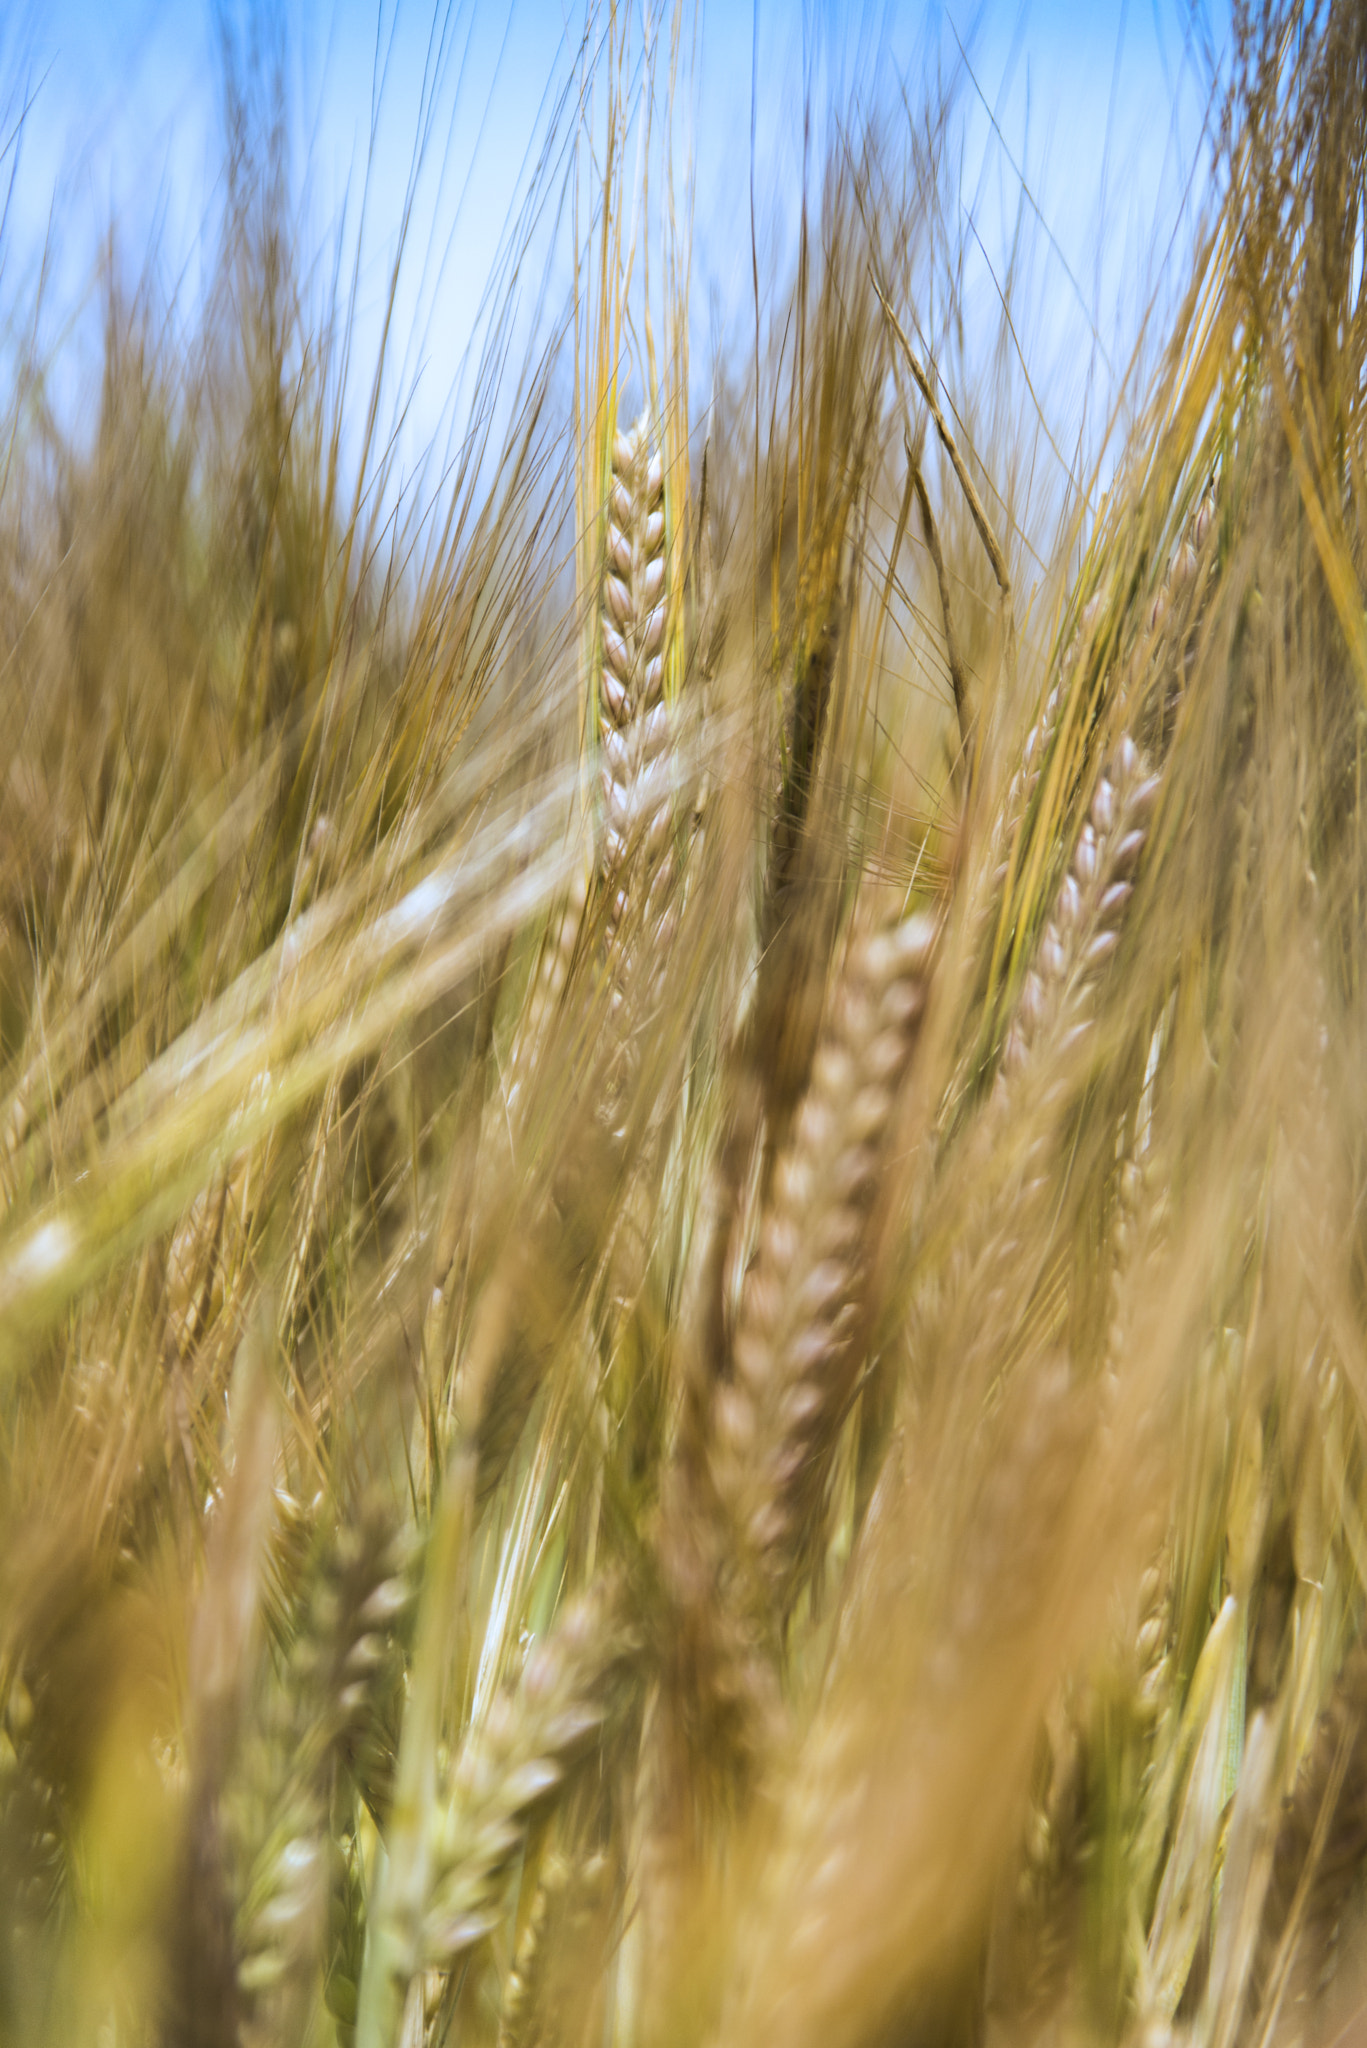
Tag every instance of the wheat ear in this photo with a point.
(318, 1716)
(1180, 575)
(550, 1984)
(806, 1313)
(636, 765)
(1054, 1010)
(1053, 1015)
(975, 1309)
(754, 1451)
(1023, 784)
(1020, 790)
(513, 1767)
(992, 869)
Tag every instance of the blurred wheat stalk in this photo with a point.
(682, 1345)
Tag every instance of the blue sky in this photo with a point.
(1101, 105)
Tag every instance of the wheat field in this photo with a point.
(683, 1270)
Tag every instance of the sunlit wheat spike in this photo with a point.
(1182, 568)
(1125, 782)
(633, 718)
(1012, 1150)
(1013, 807)
(514, 1766)
(805, 1315)
(1152, 1638)
(1053, 1014)
(992, 869)
(1024, 782)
